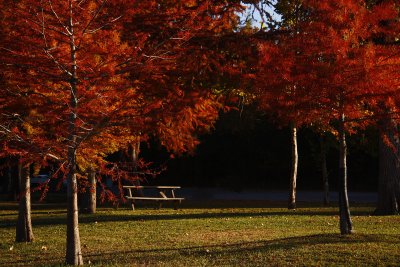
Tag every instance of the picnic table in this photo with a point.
(164, 194)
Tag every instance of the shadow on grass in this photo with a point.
(36, 213)
(216, 209)
(210, 204)
(57, 217)
(239, 251)
(270, 245)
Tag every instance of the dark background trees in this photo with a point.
(246, 151)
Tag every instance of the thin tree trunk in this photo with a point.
(293, 130)
(73, 253)
(24, 231)
(346, 226)
(133, 151)
(91, 193)
(293, 175)
(87, 199)
(73, 249)
(324, 170)
(389, 172)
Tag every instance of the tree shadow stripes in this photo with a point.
(60, 216)
(262, 246)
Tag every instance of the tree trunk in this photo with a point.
(324, 170)
(293, 175)
(24, 231)
(87, 199)
(389, 172)
(73, 252)
(133, 151)
(346, 226)
(91, 193)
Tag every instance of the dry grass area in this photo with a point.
(206, 234)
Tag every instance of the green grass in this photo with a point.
(207, 234)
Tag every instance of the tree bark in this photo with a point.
(24, 231)
(73, 253)
(133, 152)
(293, 174)
(91, 192)
(346, 226)
(87, 199)
(324, 170)
(73, 249)
(389, 171)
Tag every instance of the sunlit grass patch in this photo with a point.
(218, 234)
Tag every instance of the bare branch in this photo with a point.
(58, 64)
(94, 16)
(103, 26)
(58, 18)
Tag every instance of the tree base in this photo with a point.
(24, 240)
(292, 206)
(347, 232)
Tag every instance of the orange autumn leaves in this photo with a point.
(132, 77)
(338, 57)
(147, 68)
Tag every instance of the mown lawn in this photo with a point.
(206, 234)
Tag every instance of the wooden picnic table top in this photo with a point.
(150, 186)
(156, 198)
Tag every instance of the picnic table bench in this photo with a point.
(164, 194)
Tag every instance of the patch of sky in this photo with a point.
(261, 15)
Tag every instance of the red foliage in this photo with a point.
(332, 62)
(134, 75)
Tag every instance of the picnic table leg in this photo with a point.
(159, 204)
(132, 201)
(176, 204)
(163, 194)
